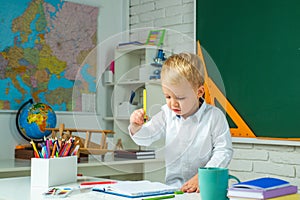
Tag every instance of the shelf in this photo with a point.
(109, 84)
(136, 47)
(123, 118)
(153, 81)
(133, 82)
(129, 82)
(108, 118)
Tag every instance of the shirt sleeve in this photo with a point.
(151, 131)
(221, 139)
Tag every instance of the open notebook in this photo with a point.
(135, 189)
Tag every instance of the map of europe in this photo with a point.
(43, 45)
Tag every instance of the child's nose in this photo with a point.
(174, 103)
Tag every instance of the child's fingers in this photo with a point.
(140, 116)
(137, 117)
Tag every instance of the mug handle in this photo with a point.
(235, 178)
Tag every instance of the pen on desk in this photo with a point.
(98, 182)
(178, 192)
(160, 197)
(145, 104)
(54, 191)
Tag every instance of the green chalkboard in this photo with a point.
(256, 47)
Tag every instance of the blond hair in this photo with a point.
(181, 66)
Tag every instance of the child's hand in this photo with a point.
(191, 185)
(137, 117)
(136, 120)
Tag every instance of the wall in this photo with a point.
(176, 16)
(252, 157)
(256, 158)
(108, 10)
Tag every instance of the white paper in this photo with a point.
(137, 188)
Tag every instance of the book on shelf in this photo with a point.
(295, 196)
(261, 188)
(135, 154)
(135, 189)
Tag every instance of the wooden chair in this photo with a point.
(86, 145)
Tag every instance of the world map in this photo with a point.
(43, 45)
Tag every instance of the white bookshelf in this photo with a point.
(129, 77)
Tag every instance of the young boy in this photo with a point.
(196, 134)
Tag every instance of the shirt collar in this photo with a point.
(197, 114)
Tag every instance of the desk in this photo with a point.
(19, 188)
(150, 169)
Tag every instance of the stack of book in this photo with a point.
(263, 188)
(134, 154)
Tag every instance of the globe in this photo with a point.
(32, 120)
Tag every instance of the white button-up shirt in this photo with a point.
(202, 139)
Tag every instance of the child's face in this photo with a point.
(182, 98)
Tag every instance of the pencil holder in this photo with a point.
(53, 171)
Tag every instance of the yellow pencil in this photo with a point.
(36, 153)
(145, 104)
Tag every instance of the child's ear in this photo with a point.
(200, 91)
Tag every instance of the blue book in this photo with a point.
(266, 183)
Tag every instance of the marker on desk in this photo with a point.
(160, 197)
(97, 183)
(145, 104)
(178, 192)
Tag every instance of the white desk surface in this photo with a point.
(19, 188)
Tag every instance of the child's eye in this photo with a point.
(180, 98)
